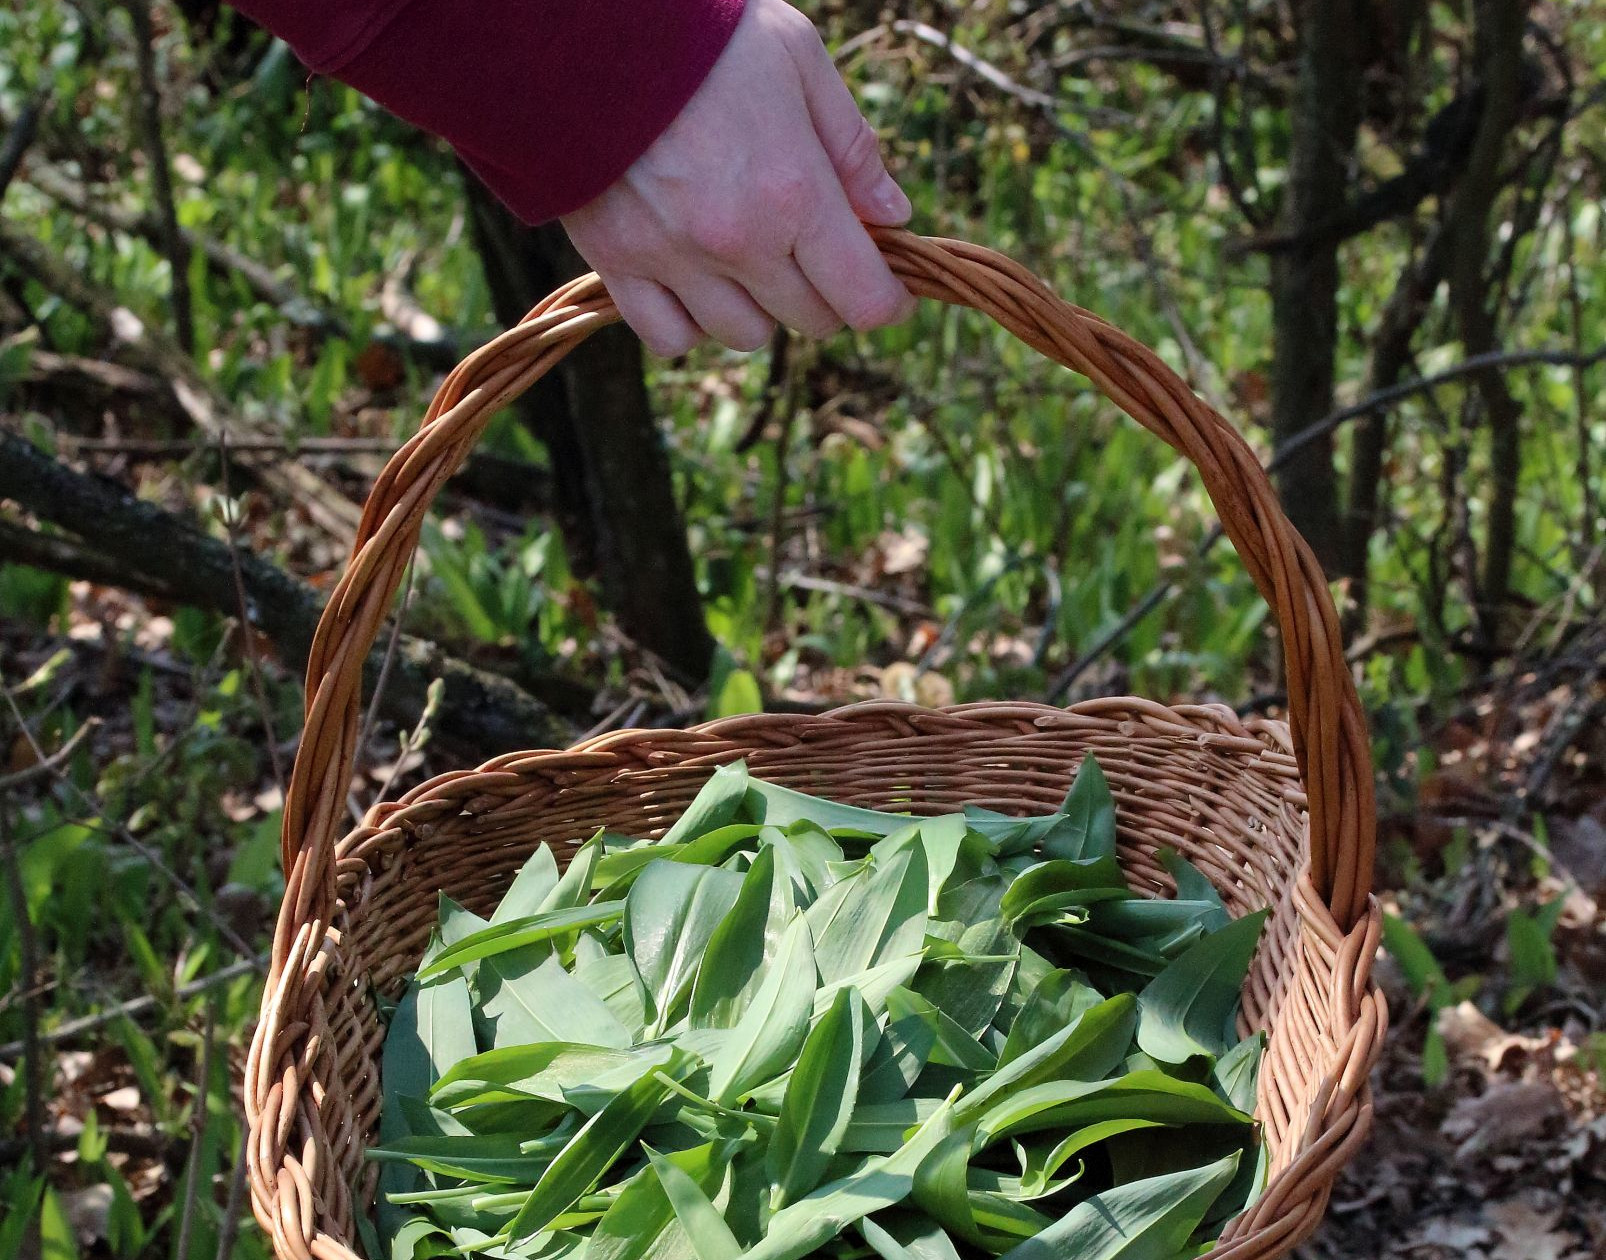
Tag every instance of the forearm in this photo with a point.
(550, 101)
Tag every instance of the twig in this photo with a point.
(19, 137)
(150, 124)
(33, 1064)
(235, 1207)
(372, 715)
(885, 599)
(51, 764)
(198, 1110)
(136, 1008)
(247, 639)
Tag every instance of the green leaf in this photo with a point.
(642, 1213)
(715, 805)
(878, 915)
(1237, 1072)
(1039, 1165)
(1087, 1049)
(819, 1099)
(906, 1044)
(953, 1045)
(733, 963)
(1417, 963)
(530, 887)
(881, 1128)
(711, 1237)
(573, 888)
(1088, 830)
(769, 1033)
(1049, 891)
(781, 806)
(881, 1182)
(430, 1034)
(1190, 1007)
(902, 1235)
(543, 1005)
(1147, 1220)
(670, 912)
(497, 1158)
(590, 1152)
(516, 933)
(1193, 886)
(532, 1071)
(738, 693)
(1142, 1095)
(1057, 1001)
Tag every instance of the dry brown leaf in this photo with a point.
(1528, 1231)
(1506, 1115)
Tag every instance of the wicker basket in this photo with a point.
(1278, 816)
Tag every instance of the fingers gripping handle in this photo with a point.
(1328, 725)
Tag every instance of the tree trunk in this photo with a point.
(614, 497)
(1391, 355)
(1304, 277)
(1497, 58)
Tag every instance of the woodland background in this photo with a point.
(1369, 231)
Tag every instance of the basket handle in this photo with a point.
(1328, 725)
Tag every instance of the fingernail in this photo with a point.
(891, 201)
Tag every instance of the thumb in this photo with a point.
(850, 142)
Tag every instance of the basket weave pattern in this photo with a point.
(1277, 816)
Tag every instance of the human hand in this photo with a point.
(748, 209)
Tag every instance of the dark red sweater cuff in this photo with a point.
(550, 101)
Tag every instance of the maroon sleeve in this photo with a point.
(548, 100)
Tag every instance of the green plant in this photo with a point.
(790, 1018)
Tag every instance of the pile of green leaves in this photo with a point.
(794, 1027)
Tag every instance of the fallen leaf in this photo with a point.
(1502, 1118)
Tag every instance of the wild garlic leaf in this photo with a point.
(1041, 1163)
(820, 1098)
(884, 919)
(954, 1046)
(715, 805)
(670, 913)
(641, 1212)
(880, 1183)
(903, 1235)
(766, 1039)
(1190, 1007)
(1237, 1073)
(588, 1154)
(711, 1237)
(1088, 828)
(1193, 886)
(1059, 999)
(516, 933)
(732, 966)
(530, 887)
(545, 1004)
(574, 886)
(1146, 1220)
(779, 806)
(1087, 1049)
(906, 1044)
(541, 1070)
(1047, 891)
(1068, 1104)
